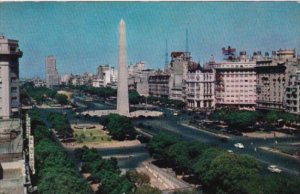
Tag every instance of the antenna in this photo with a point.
(166, 56)
(186, 41)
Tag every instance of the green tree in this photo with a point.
(146, 189)
(229, 173)
(159, 145)
(134, 97)
(120, 127)
(112, 183)
(62, 180)
(61, 99)
(203, 163)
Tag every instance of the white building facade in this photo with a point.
(9, 77)
(200, 90)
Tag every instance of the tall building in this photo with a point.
(142, 83)
(292, 94)
(178, 69)
(273, 74)
(122, 98)
(52, 75)
(200, 88)
(159, 84)
(9, 77)
(235, 81)
(12, 164)
(103, 74)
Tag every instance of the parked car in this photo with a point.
(274, 168)
(239, 145)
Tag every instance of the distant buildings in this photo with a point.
(65, 79)
(136, 69)
(240, 81)
(52, 75)
(38, 82)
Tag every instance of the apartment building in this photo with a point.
(200, 88)
(292, 94)
(235, 81)
(9, 77)
(273, 77)
(159, 84)
(178, 72)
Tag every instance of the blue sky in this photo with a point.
(84, 35)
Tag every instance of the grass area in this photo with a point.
(91, 136)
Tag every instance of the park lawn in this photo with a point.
(91, 136)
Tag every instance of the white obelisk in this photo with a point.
(122, 98)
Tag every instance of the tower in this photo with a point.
(186, 40)
(166, 57)
(122, 98)
(52, 75)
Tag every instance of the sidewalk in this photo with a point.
(205, 131)
(277, 152)
(113, 144)
(274, 134)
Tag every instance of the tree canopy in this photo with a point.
(119, 127)
(55, 172)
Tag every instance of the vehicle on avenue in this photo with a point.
(274, 168)
(176, 113)
(239, 145)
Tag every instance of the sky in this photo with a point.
(83, 35)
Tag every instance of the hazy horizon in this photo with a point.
(82, 35)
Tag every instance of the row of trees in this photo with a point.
(103, 92)
(61, 124)
(40, 94)
(243, 119)
(119, 127)
(107, 173)
(55, 171)
(134, 97)
(217, 170)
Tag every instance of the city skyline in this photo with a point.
(83, 35)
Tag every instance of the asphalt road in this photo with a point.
(289, 165)
(171, 123)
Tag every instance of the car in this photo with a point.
(176, 113)
(239, 145)
(229, 151)
(274, 168)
